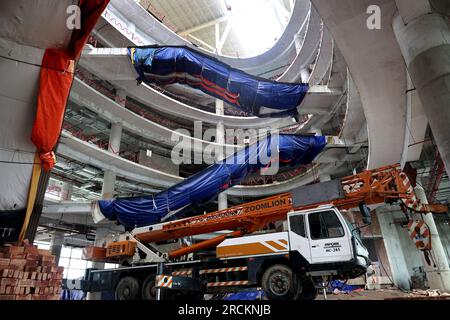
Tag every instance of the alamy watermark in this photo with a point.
(374, 20)
(73, 20)
(253, 146)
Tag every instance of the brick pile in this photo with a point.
(29, 273)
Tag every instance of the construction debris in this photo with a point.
(424, 295)
(428, 293)
(29, 273)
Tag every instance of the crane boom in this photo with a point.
(383, 185)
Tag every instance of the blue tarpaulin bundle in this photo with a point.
(254, 95)
(341, 286)
(73, 295)
(246, 295)
(290, 150)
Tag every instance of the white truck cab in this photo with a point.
(322, 238)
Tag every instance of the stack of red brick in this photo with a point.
(29, 273)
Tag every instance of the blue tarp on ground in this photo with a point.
(254, 95)
(341, 286)
(73, 295)
(205, 185)
(245, 295)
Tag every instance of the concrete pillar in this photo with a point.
(305, 75)
(425, 45)
(438, 273)
(108, 187)
(56, 245)
(220, 139)
(115, 137)
(67, 189)
(222, 201)
(394, 251)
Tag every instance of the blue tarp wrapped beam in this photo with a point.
(177, 64)
(204, 186)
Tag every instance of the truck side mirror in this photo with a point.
(365, 212)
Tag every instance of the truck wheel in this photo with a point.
(308, 290)
(149, 291)
(280, 283)
(127, 289)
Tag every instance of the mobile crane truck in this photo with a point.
(316, 243)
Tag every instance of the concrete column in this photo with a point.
(220, 139)
(66, 194)
(425, 45)
(56, 245)
(305, 75)
(394, 251)
(222, 201)
(115, 137)
(438, 273)
(108, 187)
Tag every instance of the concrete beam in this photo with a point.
(81, 208)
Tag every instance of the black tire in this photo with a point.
(280, 283)
(148, 290)
(127, 289)
(307, 290)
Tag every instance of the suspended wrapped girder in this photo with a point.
(287, 150)
(178, 64)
